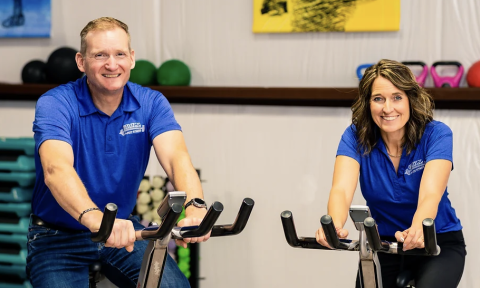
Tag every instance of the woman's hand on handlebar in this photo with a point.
(193, 217)
(411, 238)
(320, 236)
(122, 236)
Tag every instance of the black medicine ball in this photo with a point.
(61, 66)
(34, 72)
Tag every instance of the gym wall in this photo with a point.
(282, 157)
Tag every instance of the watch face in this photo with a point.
(199, 201)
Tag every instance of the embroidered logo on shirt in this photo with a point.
(415, 166)
(132, 128)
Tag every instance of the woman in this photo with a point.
(402, 158)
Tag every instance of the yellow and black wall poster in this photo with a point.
(287, 16)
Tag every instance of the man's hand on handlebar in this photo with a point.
(123, 235)
(320, 236)
(193, 217)
(412, 238)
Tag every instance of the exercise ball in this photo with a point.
(61, 66)
(34, 72)
(144, 73)
(473, 75)
(173, 73)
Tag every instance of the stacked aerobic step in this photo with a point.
(17, 178)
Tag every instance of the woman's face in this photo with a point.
(390, 107)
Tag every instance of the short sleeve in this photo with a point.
(348, 145)
(162, 118)
(52, 121)
(439, 144)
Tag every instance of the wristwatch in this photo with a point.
(197, 202)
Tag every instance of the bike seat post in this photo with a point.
(94, 274)
(155, 254)
(369, 264)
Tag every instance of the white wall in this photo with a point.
(282, 157)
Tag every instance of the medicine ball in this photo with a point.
(473, 75)
(173, 73)
(144, 73)
(61, 66)
(34, 72)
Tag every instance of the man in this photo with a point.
(93, 141)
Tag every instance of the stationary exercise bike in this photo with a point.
(169, 211)
(369, 244)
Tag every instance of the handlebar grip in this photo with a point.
(373, 237)
(291, 234)
(106, 226)
(330, 231)
(289, 228)
(430, 237)
(169, 220)
(207, 223)
(239, 223)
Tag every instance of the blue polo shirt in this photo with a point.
(393, 197)
(111, 153)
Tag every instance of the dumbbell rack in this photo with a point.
(17, 178)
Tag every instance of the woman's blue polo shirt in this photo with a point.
(111, 153)
(393, 197)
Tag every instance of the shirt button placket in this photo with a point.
(110, 147)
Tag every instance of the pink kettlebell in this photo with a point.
(423, 75)
(446, 81)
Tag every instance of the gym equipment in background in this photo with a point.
(369, 244)
(173, 73)
(61, 66)
(446, 81)
(361, 68)
(473, 75)
(34, 72)
(17, 178)
(144, 73)
(423, 75)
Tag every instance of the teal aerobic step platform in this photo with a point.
(20, 209)
(25, 284)
(15, 194)
(24, 179)
(25, 145)
(14, 256)
(17, 270)
(16, 239)
(15, 226)
(13, 276)
(13, 249)
(17, 163)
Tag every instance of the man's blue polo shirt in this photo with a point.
(393, 197)
(111, 153)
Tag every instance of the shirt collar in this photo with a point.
(129, 102)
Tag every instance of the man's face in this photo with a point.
(107, 61)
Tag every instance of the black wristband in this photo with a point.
(85, 211)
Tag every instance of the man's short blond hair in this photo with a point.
(103, 23)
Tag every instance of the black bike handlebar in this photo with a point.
(169, 220)
(291, 234)
(239, 223)
(172, 213)
(205, 226)
(376, 244)
(106, 226)
(331, 234)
